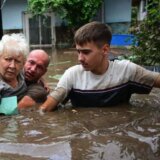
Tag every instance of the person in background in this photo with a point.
(34, 68)
(13, 52)
(97, 81)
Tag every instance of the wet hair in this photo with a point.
(96, 32)
(16, 43)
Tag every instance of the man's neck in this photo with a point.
(102, 69)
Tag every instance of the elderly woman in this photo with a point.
(13, 52)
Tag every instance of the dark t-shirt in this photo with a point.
(36, 91)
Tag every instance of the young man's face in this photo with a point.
(91, 57)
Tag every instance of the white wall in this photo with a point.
(117, 11)
(12, 14)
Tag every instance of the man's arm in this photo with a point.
(57, 96)
(157, 82)
(49, 105)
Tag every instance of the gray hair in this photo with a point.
(15, 42)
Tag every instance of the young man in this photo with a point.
(34, 68)
(98, 82)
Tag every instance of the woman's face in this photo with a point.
(10, 65)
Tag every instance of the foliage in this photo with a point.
(148, 37)
(76, 12)
(134, 16)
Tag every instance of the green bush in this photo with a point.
(147, 34)
(75, 12)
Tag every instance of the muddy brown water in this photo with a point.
(124, 132)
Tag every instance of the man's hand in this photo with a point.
(49, 105)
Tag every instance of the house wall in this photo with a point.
(117, 11)
(12, 14)
(118, 15)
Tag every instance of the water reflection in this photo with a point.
(9, 133)
(152, 141)
(125, 132)
(110, 151)
(53, 151)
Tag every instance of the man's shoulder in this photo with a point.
(122, 64)
(124, 61)
(75, 68)
(78, 66)
(73, 71)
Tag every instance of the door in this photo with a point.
(39, 30)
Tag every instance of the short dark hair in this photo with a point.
(96, 32)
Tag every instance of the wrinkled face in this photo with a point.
(91, 57)
(34, 67)
(11, 65)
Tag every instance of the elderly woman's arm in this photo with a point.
(26, 102)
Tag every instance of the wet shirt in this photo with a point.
(6, 90)
(116, 85)
(36, 90)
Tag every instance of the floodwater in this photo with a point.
(125, 132)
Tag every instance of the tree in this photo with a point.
(148, 37)
(76, 12)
